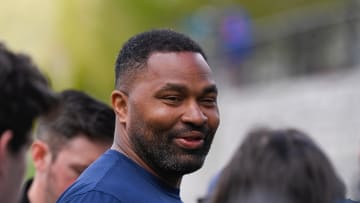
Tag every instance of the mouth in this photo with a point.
(192, 141)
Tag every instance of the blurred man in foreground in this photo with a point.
(24, 94)
(68, 140)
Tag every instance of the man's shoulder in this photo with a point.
(120, 181)
(108, 178)
(92, 196)
(87, 185)
(115, 193)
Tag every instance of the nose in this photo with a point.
(194, 115)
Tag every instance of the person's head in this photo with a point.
(166, 103)
(285, 164)
(24, 94)
(69, 139)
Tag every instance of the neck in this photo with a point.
(36, 192)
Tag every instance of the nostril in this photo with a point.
(195, 119)
(194, 115)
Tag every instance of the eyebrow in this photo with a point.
(173, 87)
(181, 88)
(210, 89)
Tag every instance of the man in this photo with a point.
(69, 138)
(166, 117)
(24, 94)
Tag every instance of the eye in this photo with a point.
(208, 101)
(172, 99)
(78, 169)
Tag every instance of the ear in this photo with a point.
(119, 102)
(41, 155)
(5, 138)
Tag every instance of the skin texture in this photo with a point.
(12, 169)
(55, 174)
(167, 120)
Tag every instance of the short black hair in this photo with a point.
(284, 162)
(136, 51)
(24, 94)
(77, 114)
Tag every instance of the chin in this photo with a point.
(190, 166)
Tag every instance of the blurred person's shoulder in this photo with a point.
(347, 201)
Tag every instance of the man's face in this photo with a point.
(173, 113)
(69, 163)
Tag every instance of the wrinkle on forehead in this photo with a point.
(182, 64)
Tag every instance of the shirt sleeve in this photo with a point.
(90, 197)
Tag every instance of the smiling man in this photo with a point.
(166, 117)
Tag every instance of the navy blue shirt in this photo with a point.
(347, 201)
(115, 178)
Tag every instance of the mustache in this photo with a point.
(188, 129)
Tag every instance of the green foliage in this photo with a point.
(93, 31)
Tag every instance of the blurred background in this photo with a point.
(278, 63)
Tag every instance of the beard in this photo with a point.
(157, 148)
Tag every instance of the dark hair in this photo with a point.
(285, 163)
(24, 94)
(77, 114)
(136, 51)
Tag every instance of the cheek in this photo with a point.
(156, 116)
(62, 177)
(213, 119)
(163, 119)
(65, 184)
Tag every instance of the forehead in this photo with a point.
(177, 67)
(82, 149)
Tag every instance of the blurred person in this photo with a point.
(68, 140)
(166, 117)
(236, 40)
(283, 165)
(24, 94)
